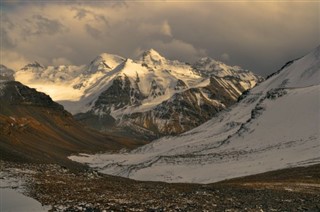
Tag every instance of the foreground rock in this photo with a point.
(295, 189)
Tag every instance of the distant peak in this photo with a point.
(208, 59)
(4, 70)
(3, 66)
(152, 56)
(104, 62)
(34, 64)
(151, 52)
(105, 57)
(108, 55)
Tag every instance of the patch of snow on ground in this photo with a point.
(11, 194)
(13, 201)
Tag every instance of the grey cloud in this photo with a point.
(118, 3)
(82, 13)
(177, 49)
(225, 57)
(6, 22)
(6, 26)
(40, 25)
(101, 18)
(95, 33)
(257, 36)
(6, 40)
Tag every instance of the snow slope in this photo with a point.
(275, 125)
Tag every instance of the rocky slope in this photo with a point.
(59, 189)
(33, 128)
(148, 97)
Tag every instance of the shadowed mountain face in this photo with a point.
(34, 128)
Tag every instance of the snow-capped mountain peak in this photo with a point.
(104, 62)
(34, 65)
(6, 73)
(207, 67)
(206, 60)
(151, 56)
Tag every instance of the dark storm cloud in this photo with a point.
(260, 36)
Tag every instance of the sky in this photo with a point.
(260, 36)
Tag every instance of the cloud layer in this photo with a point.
(257, 36)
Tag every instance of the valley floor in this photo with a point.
(294, 189)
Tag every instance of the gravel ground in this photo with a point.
(295, 189)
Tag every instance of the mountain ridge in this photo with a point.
(124, 90)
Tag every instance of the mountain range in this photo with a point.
(274, 126)
(144, 98)
(265, 130)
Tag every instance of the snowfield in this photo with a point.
(275, 126)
